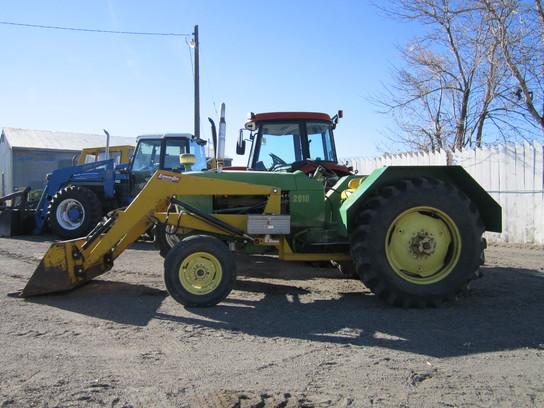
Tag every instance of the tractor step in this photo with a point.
(323, 243)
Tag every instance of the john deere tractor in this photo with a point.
(413, 234)
(281, 142)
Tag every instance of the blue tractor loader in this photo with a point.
(76, 198)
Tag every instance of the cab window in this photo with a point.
(147, 156)
(280, 145)
(320, 141)
(174, 148)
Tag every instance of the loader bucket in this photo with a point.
(63, 268)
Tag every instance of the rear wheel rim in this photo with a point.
(200, 273)
(170, 236)
(423, 245)
(70, 214)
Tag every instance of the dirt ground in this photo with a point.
(289, 335)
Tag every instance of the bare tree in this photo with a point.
(455, 84)
(518, 27)
(417, 101)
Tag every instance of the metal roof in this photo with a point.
(50, 140)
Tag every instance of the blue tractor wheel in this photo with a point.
(74, 212)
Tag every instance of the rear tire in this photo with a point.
(199, 271)
(347, 268)
(74, 212)
(418, 243)
(164, 239)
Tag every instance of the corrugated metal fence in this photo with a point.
(512, 173)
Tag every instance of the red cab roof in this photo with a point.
(259, 117)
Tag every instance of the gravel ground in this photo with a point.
(289, 335)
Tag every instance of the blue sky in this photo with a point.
(254, 55)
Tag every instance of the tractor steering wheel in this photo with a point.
(276, 161)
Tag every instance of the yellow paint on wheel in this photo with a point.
(200, 273)
(423, 245)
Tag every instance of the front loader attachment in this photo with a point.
(62, 269)
(69, 264)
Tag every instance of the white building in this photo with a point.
(26, 156)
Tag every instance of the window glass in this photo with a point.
(90, 158)
(200, 157)
(174, 148)
(114, 154)
(147, 155)
(280, 145)
(320, 141)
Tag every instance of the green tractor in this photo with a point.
(281, 142)
(414, 235)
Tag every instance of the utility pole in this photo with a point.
(197, 86)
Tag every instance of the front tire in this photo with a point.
(74, 212)
(199, 271)
(418, 243)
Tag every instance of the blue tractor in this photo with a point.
(76, 198)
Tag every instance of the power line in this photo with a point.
(93, 31)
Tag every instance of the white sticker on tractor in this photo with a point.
(168, 177)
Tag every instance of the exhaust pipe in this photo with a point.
(221, 140)
(107, 144)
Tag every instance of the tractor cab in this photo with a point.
(291, 141)
(154, 152)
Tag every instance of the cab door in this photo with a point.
(147, 160)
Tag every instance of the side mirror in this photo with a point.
(336, 118)
(241, 144)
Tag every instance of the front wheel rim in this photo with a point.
(70, 214)
(200, 273)
(423, 245)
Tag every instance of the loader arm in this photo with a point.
(69, 264)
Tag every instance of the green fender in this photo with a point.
(490, 210)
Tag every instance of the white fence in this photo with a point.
(512, 173)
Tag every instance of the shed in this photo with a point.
(26, 156)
